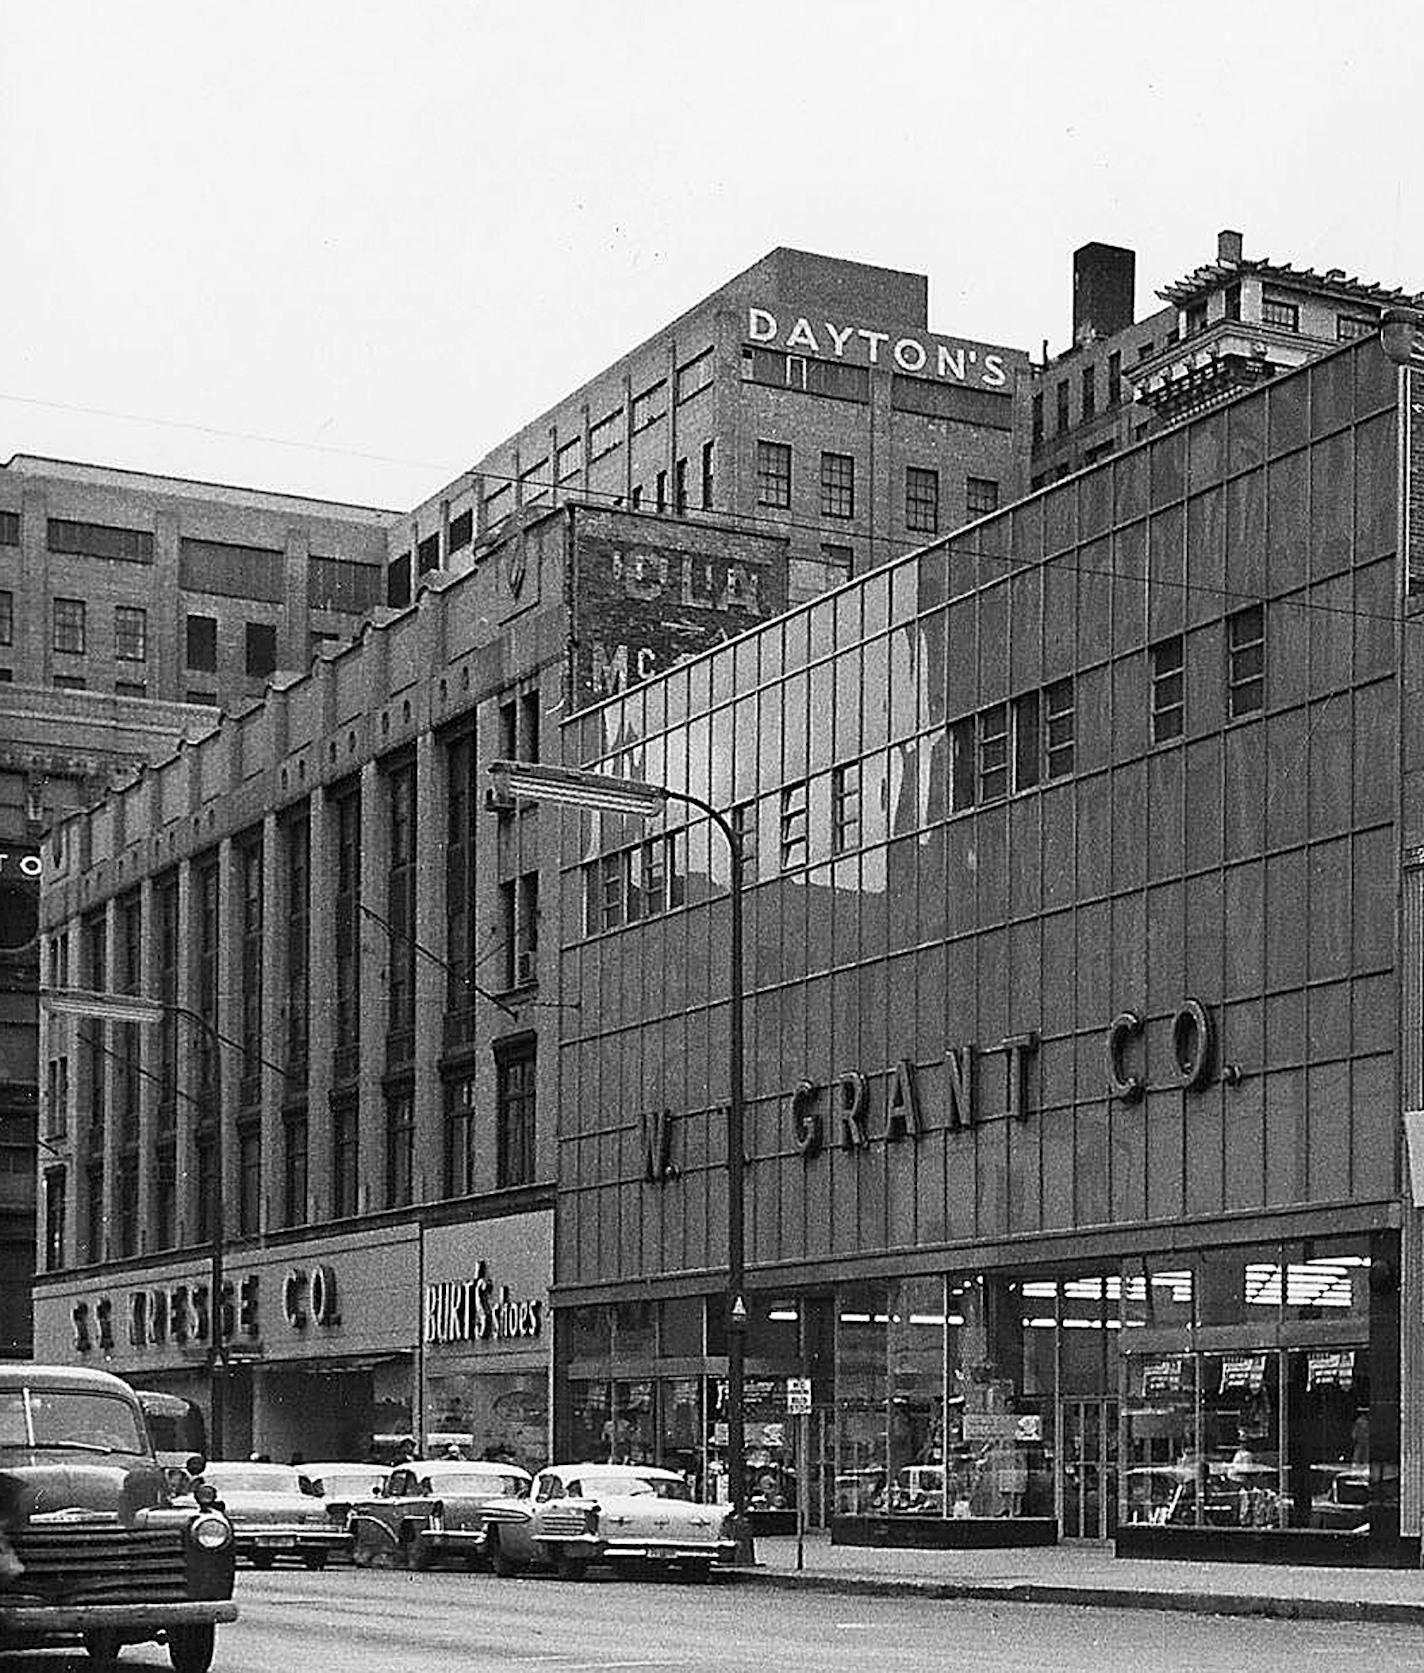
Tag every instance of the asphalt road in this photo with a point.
(350, 1621)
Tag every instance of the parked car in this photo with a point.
(578, 1514)
(340, 1485)
(271, 1515)
(1340, 1497)
(430, 1510)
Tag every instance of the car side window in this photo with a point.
(398, 1485)
(575, 1490)
(425, 1486)
(550, 1487)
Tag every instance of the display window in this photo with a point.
(502, 1415)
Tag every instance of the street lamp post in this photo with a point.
(572, 787)
(139, 1008)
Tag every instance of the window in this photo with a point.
(253, 963)
(793, 826)
(400, 913)
(130, 634)
(534, 483)
(54, 1219)
(400, 1147)
(1168, 689)
(345, 1158)
(202, 643)
(1349, 328)
(207, 699)
(347, 819)
(773, 473)
(294, 1168)
(9, 528)
(839, 561)
(745, 826)
(514, 1114)
(98, 540)
(1114, 389)
(660, 489)
(427, 554)
(993, 742)
(831, 378)
(1194, 319)
(921, 499)
(679, 488)
(606, 436)
(519, 908)
(261, 649)
(398, 581)
(1146, 350)
(981, 496)
(1090, 393)
(131, 688)
(338, 584)
(604, 894)
(709, 449)
(1246, 661)
(845, 807)
(69, 625)
(837, 485)
(296, 853)
(1231, 303)
(70, 682)
(462, 530)
(696, 375)
(1061, 394)
(249, 1177)
(1058, 725)
(218, 566)
(1285, 316)
(650, 406)
(7, 617)
(460, 1131)
(1037, 419)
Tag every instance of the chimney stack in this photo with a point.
(1228, 245)
(1104, 291)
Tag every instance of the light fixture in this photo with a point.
(528, 781)
(1399, 333)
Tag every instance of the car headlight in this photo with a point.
(211, 1533)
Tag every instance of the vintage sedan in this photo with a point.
(339, 1485)
(623, 1515)
(427, 1511)
(273, 1517)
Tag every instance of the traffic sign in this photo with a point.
(798, 1396)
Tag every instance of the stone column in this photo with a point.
(431, 934)
(375, 964)
(321, 1004)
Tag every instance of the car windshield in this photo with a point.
(333, 1484)
(656, 1487)
(238, 1479)
(481, 1484)
(69, 1418)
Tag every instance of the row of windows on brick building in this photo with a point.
(838, 488)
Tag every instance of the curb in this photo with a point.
(1263, 1605)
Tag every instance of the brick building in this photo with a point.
(807, 395)
(319, 881)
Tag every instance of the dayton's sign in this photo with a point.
(920, 356)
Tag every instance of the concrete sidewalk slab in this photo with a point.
(1093, 1576)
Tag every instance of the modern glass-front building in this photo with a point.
(1083, 900)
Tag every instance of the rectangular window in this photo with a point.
(1037, 418)
(345, 1158)
(249, 1178)
(261, 649)
(839, 561)
(461, 1127)
(229, 571)
(993, 753)
(9, 528)
(1028, 740)
(1285, 316)
(296, 848)
(1232, 303)
(1061, 396)
(606, 436)
(1169, 697)
(745, 825)
(696, 375)
(1089, 393)
(981, 495)
(400, 1147)
(347, 819)
(398, 581)
(1246, 661)
(534, 483)
(7, 617)
(709, 450)
(54, 1219)
(462, 530)
(1194, 319)
(845, 807)
(202, 643)
(514, 1114)
(679, 488)
(462, 807)
(253, 957)
(205, 954)
(921, 499)
(130, 634)
(1059, 718)
(339, 584)
(773, 473)
(98, 540)
(427, 554)
(69, 625)
(611, 885)
(793, 826)
(660, 488)
(294, 1168)
(164, 1204)
(650, 406)
(962, 769)
(837, 485)
(519, 911)
(1114, 389)
(70, 682)
(1349, 328)
(400, 914)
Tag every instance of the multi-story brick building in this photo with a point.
(1228, 324)
(356, 943)
(131, 605)
(806, 396)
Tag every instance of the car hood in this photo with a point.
(271, 1507)
(645, 1511)
(63, 1486)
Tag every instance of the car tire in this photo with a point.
(190, 1649)
(419, 1556)
(568, 1566)
(360, 1556)
(499, 1559)
(102, 1648)
(698, 1571)
(314, 1559)
(263, 1559)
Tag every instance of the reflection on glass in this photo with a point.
(1162, 1456)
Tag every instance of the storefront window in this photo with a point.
(491, 1414)
(630, 1432)
(915, 1337)
(682, 1328)
(1329, 1281)
(1241, 1441)
(634, 1334)
(587, 1420)
(1240, 1286)
(587, 1333)
(861, 1322)
(1157, 1296)
(1328, 1432)
(1160, 1434)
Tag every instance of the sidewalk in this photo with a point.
(1092, 1575)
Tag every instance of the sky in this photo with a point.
(342, 249)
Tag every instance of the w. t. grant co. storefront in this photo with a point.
(1083, 940)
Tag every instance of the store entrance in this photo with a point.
(1087, 1449)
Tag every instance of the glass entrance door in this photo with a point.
(1087, 1448)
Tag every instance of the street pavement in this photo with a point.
(389, 1621)
(1092, 1575)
